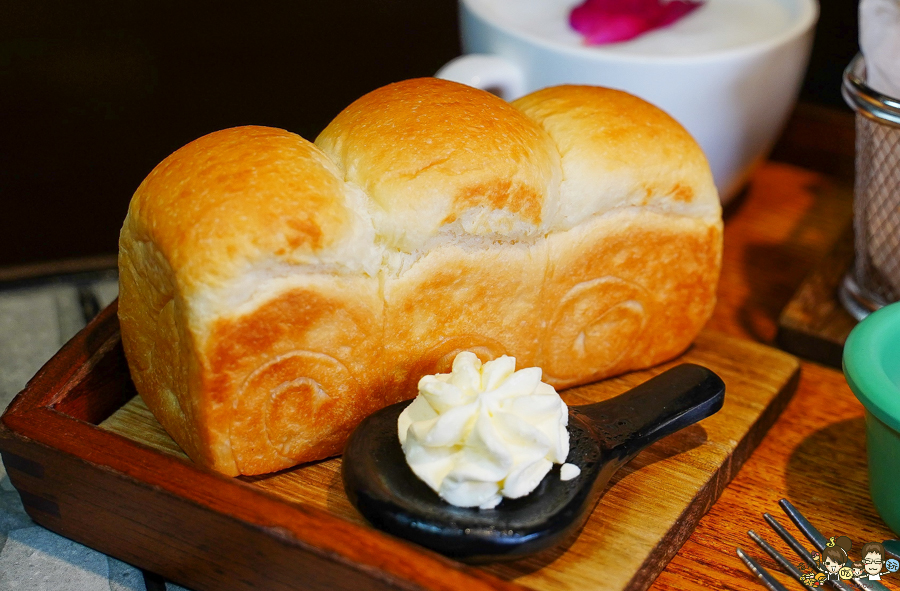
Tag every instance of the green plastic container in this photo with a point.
(872, 369)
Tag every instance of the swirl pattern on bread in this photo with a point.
(273, 292)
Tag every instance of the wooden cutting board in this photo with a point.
(652, 505)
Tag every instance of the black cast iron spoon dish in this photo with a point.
(603, 437)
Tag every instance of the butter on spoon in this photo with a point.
(484, 432)
(602, 438)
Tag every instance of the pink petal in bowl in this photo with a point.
(612, 21)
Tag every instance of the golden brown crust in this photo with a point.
(620, 151)
(216, 231)
(462, 299)
(288, 380)
(239, 195)
(430, 151)
(626, 291)
(270, 297)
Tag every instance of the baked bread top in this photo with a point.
(620, 151)
(412, 162)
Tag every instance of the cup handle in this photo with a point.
(487, 72)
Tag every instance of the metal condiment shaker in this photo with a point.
(874, 279)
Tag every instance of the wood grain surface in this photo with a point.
(652, 504)
(814, 455)
(815, 324)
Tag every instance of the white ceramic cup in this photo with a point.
(734, 101)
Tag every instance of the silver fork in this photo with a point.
(813, 535)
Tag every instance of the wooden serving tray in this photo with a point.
(92, 464)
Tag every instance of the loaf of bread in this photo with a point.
(274, 292)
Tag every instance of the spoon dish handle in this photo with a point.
(660, 406)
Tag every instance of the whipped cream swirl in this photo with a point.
(484, 432)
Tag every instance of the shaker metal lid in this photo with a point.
(866, 101)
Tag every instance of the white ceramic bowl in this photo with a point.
(734, 101)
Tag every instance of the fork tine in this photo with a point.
(811, 533)
(789, 539)
(762, 574)
(776, 555)
(819, 541)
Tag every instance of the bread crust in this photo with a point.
(274, 292)
(434, 155)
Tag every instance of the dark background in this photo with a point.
(94, 94)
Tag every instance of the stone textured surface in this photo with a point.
(35, 559)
